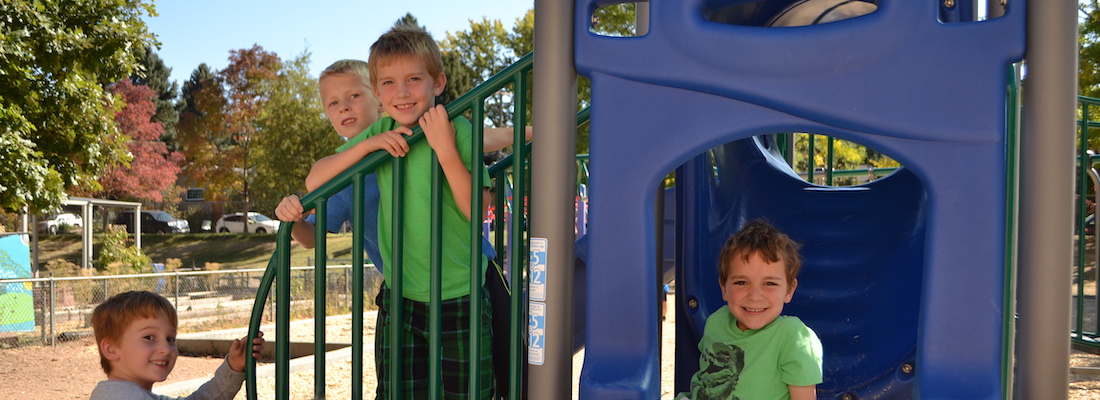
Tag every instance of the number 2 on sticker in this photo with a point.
(536, 341)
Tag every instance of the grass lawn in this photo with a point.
(232, 250)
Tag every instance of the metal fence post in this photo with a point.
(177, 287)
(53, 333)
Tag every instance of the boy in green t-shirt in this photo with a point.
(406, 72)
(749, 350)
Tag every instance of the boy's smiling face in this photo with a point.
(145, 354)
(349, 104)
(756, 290)
(406, 89)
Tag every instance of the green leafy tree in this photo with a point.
(248, 72)
(201, 134)
(1088, 74)
(295, 135)
(56, 126)
(155, 74)
(218, 122)
(482, 50)
(1088, 31)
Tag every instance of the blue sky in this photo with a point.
(192, 32)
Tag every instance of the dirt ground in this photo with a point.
(71, 370)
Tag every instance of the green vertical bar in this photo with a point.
(520, 267)
(358, 216)
(515, 341)
(1011, 210)
(282, 320)
(1082, 182)
(262, 292)
(829, 164)
(319, 274)
(810, 158)
(788, 148)
(435, 324)
(396, 279)
(476, 273)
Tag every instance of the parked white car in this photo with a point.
(55, 223)
(239, 223)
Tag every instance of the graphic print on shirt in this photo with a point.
(724, 364)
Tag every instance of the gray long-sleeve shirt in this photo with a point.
(223, 386)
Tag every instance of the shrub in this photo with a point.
(119, 257)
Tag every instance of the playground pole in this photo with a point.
(553, 177)
(1046, 200)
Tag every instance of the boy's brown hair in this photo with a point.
(358, 68)
(758, 236)
(111, 318)
(405, 40)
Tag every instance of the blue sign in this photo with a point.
(538, 269)
(536, 333)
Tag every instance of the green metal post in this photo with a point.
(829, 162)
(435, 322)
(810, 167)
(519, 248)
(320, 272)
(396, 281)
(358, 216)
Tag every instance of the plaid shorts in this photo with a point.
(456, 350)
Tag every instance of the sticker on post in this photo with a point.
(536, 333)
(538, 269)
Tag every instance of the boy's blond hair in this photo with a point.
(405, 40)
(111, 318)
(348, 67)
(758, 236)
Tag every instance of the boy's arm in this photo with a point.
(290, 210)
(327, 168)
(803, 392)
(440, 133)
(229, 376)
(499, 138)
(236, 351)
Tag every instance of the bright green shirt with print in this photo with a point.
(416, 266)
(755, 364)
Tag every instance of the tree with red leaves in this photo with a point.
(150, 176)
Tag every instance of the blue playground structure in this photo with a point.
(909, 280)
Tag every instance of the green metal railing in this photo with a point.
(1086, 337)
(277, 273)
(786, 144)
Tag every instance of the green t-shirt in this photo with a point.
(456, 237)
(755, 364)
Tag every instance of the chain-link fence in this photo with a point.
(205, 300)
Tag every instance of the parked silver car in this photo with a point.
(59, 222)
(253, 222)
